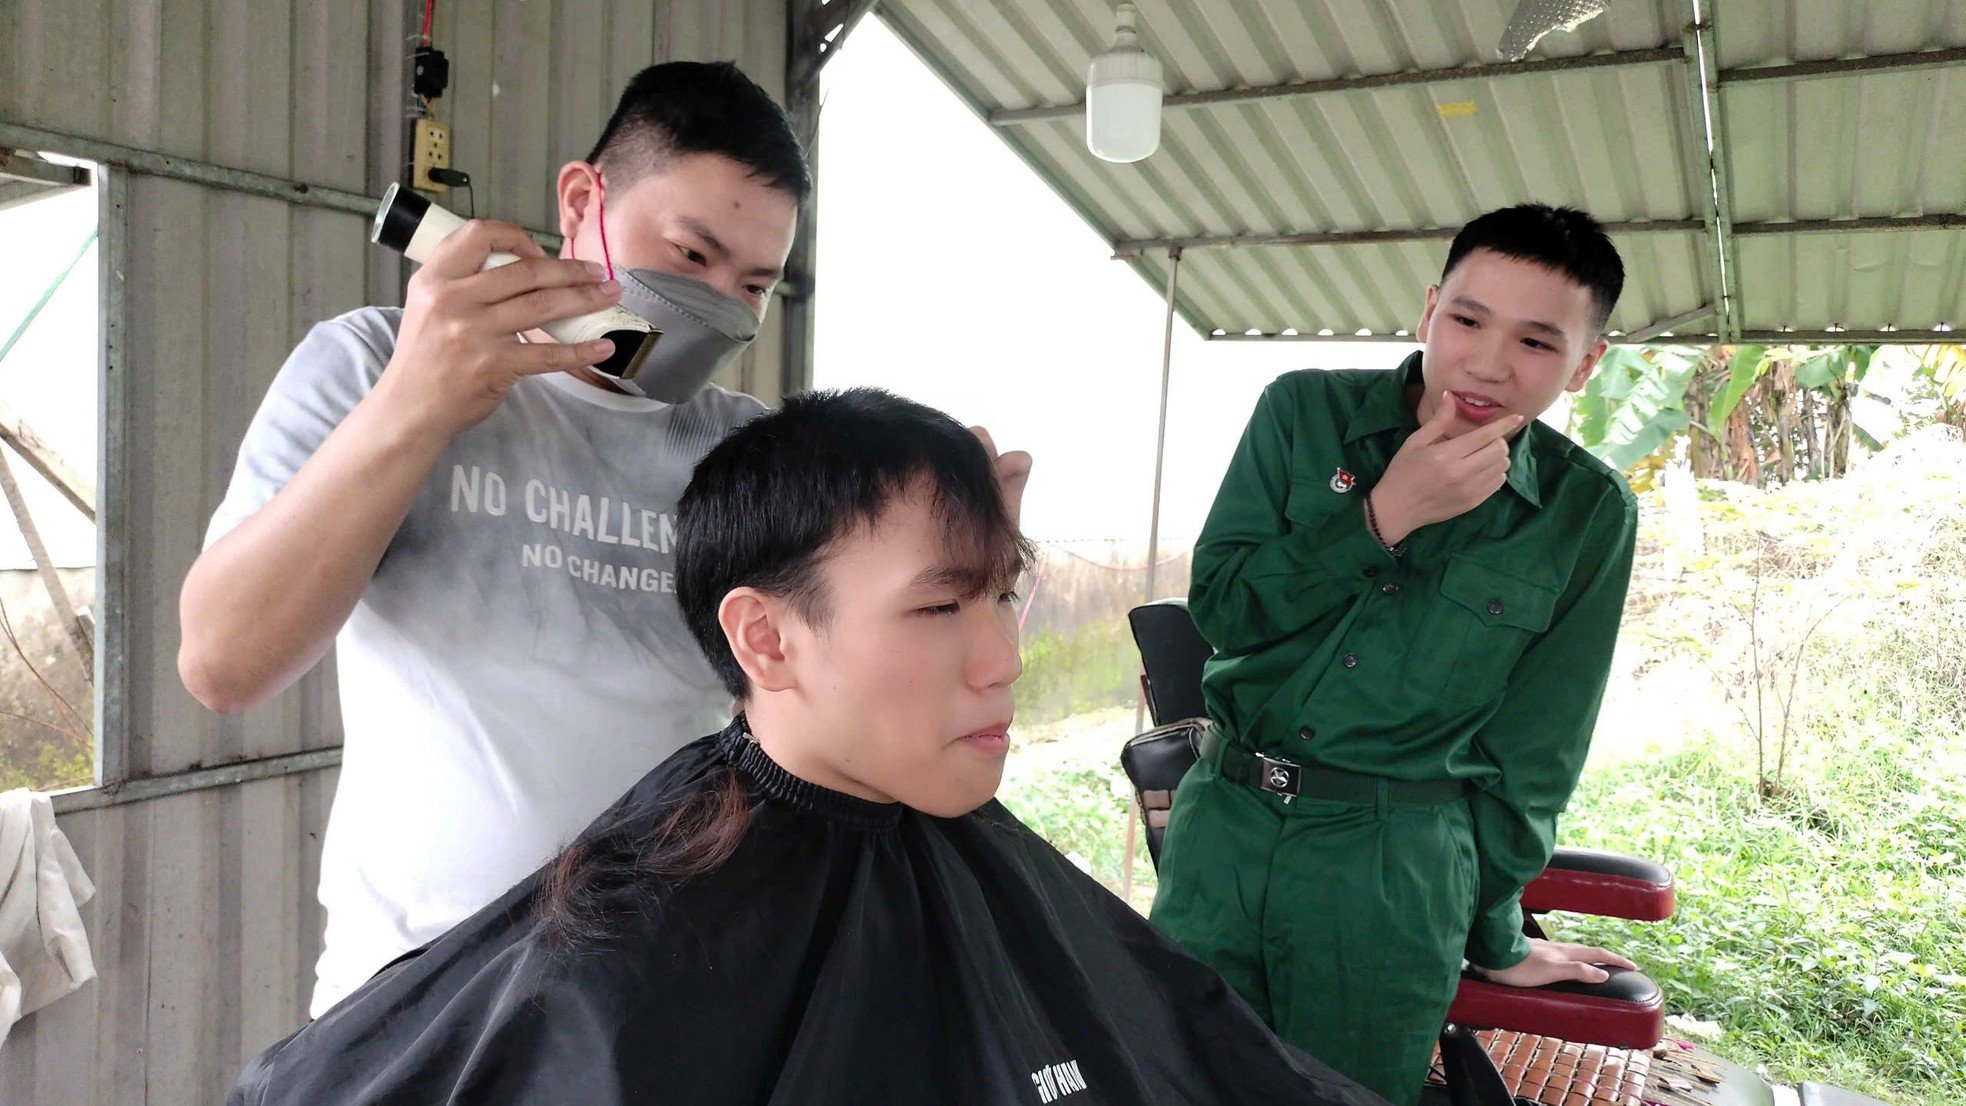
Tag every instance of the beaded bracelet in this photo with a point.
(1372, 524)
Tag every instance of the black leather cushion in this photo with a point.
(1172, 652)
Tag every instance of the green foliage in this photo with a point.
(1080, 807)
(44, 761)
(1746, 366)
(1634, 404)
(1819, 921)
(1754, 413)
(1822, 930)
(1071, 673)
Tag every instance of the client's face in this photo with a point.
(907, 686)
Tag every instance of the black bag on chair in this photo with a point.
(1154, 762)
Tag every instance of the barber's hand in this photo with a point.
(1013, 472)
(1434, 478)
(1555, 962)
(458, 353)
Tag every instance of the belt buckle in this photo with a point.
(1280, 776)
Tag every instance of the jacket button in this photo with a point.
(1494, 606)
(1390, 588)
(1351, 660)
(1307, 733)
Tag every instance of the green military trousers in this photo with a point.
(1343, 925)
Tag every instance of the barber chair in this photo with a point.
(1574, 1033)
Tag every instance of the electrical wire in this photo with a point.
(601, 216)
(429, 9)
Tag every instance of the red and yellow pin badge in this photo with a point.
(1342, 481)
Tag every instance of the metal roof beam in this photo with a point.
(186, 169)
(1837, 67)
(1658, 327)
(1897, 337)
(817, 37)
(25, 176)
(1941, 221)
(1843, 67)
(1129, 249)
(1240, 336)
(1011, 117)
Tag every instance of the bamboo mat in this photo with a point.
(1563, 1073)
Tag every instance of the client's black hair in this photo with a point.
(762, 510)
(764, 506)
(1561, 239)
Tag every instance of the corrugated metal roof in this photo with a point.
(1620, 132)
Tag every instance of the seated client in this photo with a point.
(822, 903)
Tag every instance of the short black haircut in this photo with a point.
(1561, 239)
(764, 506)
(695, 107)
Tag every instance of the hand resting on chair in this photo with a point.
(1556, 962)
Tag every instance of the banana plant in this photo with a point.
(1754, 413)
(1633, 407)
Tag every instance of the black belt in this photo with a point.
(1291, 780)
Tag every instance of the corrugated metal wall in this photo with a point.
(204, 930)
(205, 925)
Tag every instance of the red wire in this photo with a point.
(601, 216)
(428, 6)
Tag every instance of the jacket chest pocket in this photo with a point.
(1484, 619)
(1308, 504)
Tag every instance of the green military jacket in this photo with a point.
(1480, 654)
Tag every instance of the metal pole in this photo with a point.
(1710, 160)
(1153, 534)
(1160, 435)
(1160, 451)
(152, 163)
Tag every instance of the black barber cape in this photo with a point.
(848, 952)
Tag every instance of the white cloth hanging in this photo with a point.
(44, 952)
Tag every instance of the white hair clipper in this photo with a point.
(412, 225)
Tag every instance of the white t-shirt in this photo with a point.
(518, 659)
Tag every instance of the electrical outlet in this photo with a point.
(431, 150)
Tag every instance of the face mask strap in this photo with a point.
(601, 220)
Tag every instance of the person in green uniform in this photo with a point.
(1413, 589)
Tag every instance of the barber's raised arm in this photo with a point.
(336, 456)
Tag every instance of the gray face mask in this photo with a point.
(700, 331)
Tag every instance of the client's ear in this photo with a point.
(750, 620)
